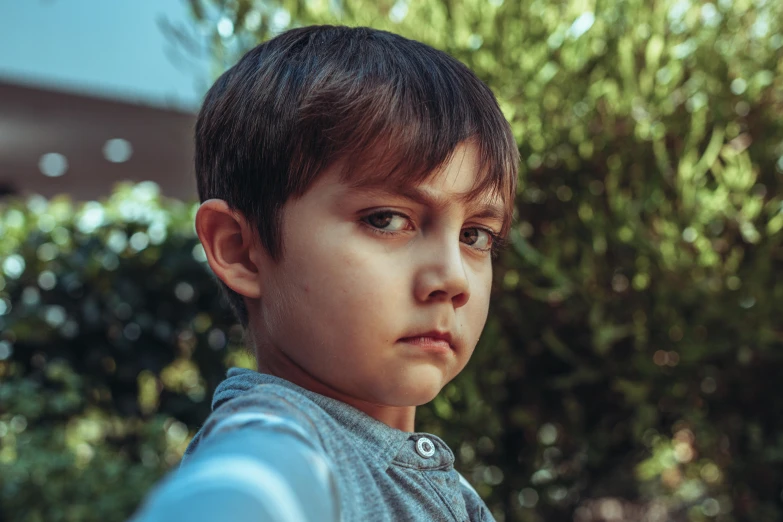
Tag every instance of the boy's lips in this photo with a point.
(438, 335)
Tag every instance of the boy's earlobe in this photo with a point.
(228, 244)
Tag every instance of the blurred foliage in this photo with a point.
(113, 338)
(629, 366)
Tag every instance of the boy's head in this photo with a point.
(299, 146)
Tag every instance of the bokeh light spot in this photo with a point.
(117, 150)
(53, 164)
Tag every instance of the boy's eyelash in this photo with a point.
(498, 243)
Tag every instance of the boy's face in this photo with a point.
(334, 310)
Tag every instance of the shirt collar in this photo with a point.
(389, 444)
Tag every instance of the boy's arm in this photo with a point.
(244, 475)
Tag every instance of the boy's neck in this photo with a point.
(398, 417)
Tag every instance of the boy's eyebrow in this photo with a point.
(423, 197)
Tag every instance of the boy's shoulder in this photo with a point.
(250, 398)
(272, 405)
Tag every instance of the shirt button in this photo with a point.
(425, 447)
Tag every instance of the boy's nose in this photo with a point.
(443, 276)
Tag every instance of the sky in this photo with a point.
(108, 48)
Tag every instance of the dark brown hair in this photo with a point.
(393, 108)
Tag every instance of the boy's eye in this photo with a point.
(473, 238)
(382, 220)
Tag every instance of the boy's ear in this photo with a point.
(232, 250)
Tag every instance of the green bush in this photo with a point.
(113, 338)
(629, 366)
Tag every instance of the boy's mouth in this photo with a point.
(431, 339)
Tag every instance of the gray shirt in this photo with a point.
(272, 450)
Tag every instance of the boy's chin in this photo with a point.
(412, 394)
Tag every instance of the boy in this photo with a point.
(354, 185)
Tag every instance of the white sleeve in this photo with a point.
(247, 474)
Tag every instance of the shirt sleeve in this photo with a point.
(250, 468)
(474, 504)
